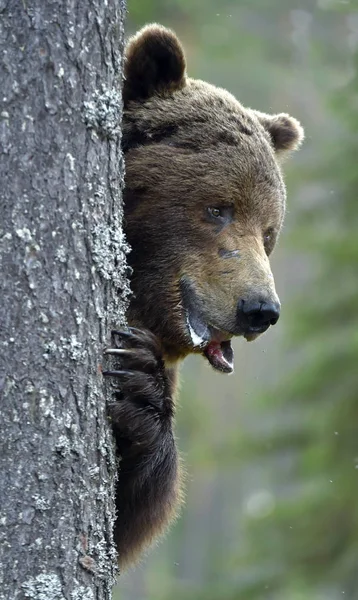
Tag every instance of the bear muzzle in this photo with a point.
(254, 316)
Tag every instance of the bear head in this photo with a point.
(204, 203)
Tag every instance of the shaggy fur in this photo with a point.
(204, 204)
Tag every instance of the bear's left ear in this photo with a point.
(285, 131)
(154, 63)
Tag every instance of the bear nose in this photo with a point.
(258, 315)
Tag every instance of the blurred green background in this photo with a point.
(272, 451)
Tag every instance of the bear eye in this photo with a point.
(214, 211)
(220, 215)
(269, 236)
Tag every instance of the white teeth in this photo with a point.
(229, 364)
(195, 338)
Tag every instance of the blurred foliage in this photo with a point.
(314, 532)
(272, 511)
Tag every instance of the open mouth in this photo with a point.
(214, 344)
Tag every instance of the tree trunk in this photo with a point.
(63, 284)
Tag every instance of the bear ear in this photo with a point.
(285, 131)
(154, 63)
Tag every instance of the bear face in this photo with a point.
(204, 204)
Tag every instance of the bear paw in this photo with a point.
(142, 410)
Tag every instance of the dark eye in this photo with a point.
(268, 235)
(269, 239)
(215, 212)
(220, 215)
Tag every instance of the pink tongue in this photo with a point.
(214, 352)
(215, 355)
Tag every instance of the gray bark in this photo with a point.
(62, 261)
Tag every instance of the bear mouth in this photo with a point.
(214, 343)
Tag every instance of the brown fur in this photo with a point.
(189, 146)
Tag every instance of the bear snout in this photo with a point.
(256, 315)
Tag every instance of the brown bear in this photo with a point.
(204, 205)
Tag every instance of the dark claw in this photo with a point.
(118, 373)
(127, 332)
(119, 332)
(135, 339)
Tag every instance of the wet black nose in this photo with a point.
(257, 315)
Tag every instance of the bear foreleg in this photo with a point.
(148, 487)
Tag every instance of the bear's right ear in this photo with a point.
(286, 132)
(154, 63)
